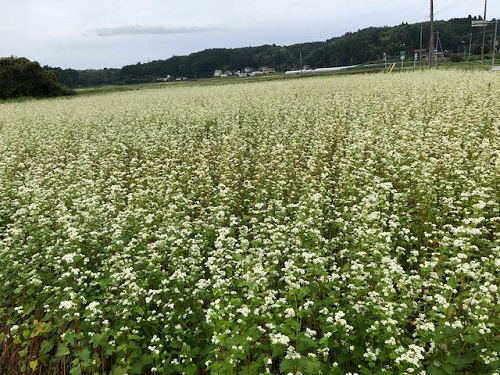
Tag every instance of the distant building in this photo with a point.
(422, 53)
(248, 71)
(267, 70)
(168, 78)
(425, 54)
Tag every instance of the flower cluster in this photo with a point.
(323, 225)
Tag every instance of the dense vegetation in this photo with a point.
(352, 48)
(20, 77)
(331, 225)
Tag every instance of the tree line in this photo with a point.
(363, 46)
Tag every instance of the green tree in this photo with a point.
(22, 77)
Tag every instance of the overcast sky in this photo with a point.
(83, 34)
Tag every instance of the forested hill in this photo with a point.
(362, 46)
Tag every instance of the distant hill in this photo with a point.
(362, 46)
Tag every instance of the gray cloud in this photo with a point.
(146, 30)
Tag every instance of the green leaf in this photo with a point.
(84, 355)
(434, 370)
(323, 340)
(62, 350)
(288, 365)
(310, 366)
(253, 369)
(119, 371)
(29, 308)
(136, 368)
(278, 350)
(453, 282)
(458, 362)
(294, 324)
(147, 359)
(229, 342)
(472, 339)
(47, 328)
(448, 368)
(70, 338)
(34, 364)
(214, 368)
(306, 344)
(46, 346)
(190, 370)
(100, 339)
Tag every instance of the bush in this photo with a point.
(22, 77)
(456, 58)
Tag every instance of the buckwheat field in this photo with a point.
(334, 225)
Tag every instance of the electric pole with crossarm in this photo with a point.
(484, 32)
(431, 39)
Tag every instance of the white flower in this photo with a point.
(278, 338)
(69, 258)
(244, 310)
(67, 305)
(310, 333)
(92, 306)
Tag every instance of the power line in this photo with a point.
(453, 5)
(473, 5)
(456, 4)
(420, 10)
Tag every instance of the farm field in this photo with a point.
(328, 225)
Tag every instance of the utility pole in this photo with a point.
(421, 41)
(484, 31)
(431, 39)
(437, 44)
(301, 67)
(470, 44)
(494, 51)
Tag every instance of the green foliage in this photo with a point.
(352, 48)
(456, 58)
(362, 46)
(20, 77)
